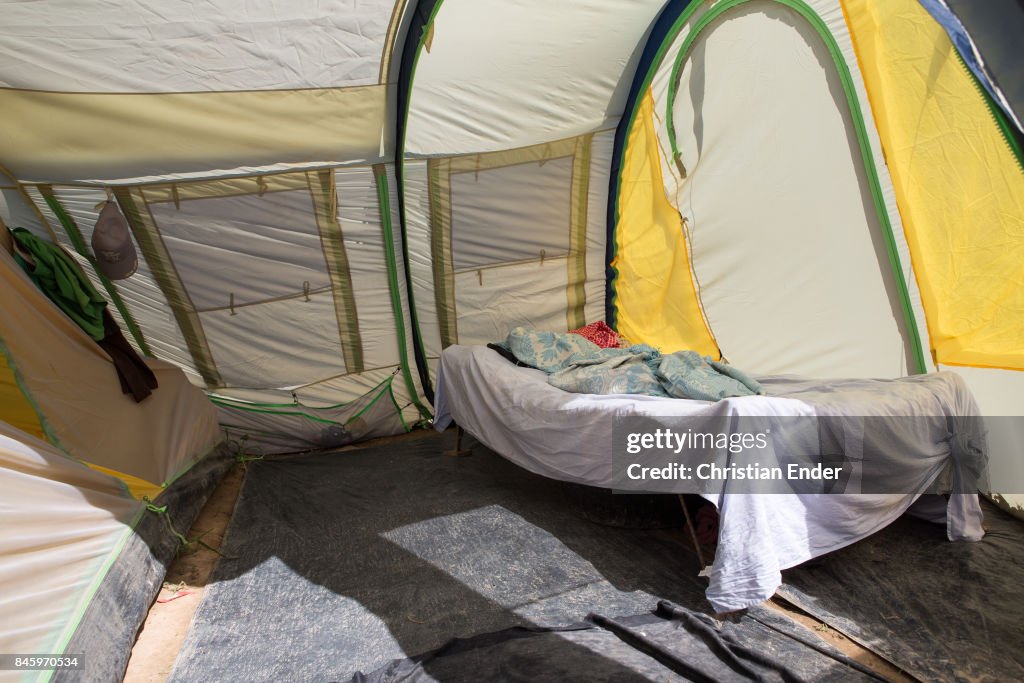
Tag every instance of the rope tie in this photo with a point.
(238, 445)
(185, 543)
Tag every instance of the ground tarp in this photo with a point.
(372, 561)
(942, 611)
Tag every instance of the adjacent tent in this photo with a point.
(324, 196)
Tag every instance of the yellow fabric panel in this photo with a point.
(75, 136)
(139, 488)
(958, 185)
(655, 297)
(15, 408)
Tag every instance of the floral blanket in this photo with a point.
(576, 364)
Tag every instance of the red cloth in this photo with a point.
(602, 335)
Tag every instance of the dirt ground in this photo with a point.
(842, 643)
(170, 616)
(163, 632)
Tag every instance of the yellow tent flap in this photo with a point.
(139, 488)
(959, 185)
(656, 302)
(16, 408)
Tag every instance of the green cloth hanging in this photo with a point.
(56, 273)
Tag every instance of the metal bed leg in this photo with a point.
(693, 531)
(459, 451)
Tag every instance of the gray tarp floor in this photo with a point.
(397, 562)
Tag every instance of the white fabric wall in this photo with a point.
(786, 246)
(502, 75)
(173, 46)
(139, 292)
(501, 281)
(118, 90)
(66, 523)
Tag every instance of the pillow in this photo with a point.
(602, 335)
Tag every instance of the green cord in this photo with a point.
(186, 544)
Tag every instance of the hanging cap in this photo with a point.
(112, 244)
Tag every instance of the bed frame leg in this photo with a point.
(459, 451)
(693, 532)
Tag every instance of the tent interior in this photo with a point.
(318, 200)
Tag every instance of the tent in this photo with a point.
(324, 196)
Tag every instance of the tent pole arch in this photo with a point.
(666, 26)
(415, 40)
(381, 179)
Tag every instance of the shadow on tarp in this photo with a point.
(941, 611)
(672, 643)
(346, 562)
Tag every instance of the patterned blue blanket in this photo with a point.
(576, 364)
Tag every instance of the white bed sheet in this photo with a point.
(515, 412)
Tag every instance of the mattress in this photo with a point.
(565, 436)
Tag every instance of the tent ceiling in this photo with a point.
(501, 75)
(164, 46)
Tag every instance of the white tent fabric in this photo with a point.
(999, 397)
(769, 217)
(234, 45)
(499, 76)
(496, 279)
(62, 523)
(215, 81)
(260, 313)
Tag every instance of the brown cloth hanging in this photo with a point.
(136, 377)
(60, 277)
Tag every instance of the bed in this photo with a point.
(566, 436)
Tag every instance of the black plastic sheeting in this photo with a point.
(365, 565)
(113, 618)
(680, 645)
(940, 611)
